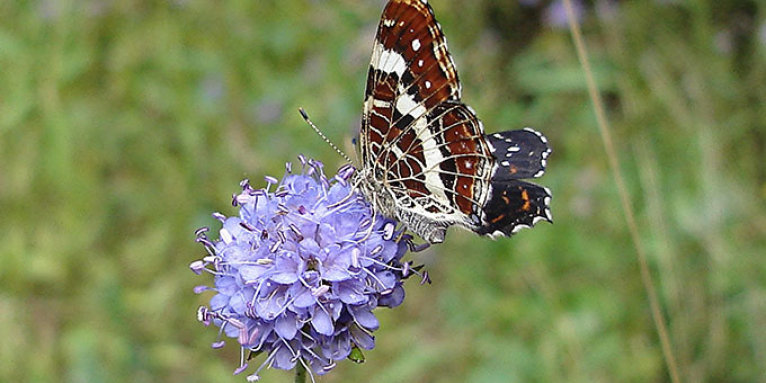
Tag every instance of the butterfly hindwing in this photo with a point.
(514, 205)
(519, 153)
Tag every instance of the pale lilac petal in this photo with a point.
(321, 322)
(286, 326)
(392, 299)
(284, 359)
(351, 293)
(251, 273)
(361, 338)
(364, 317)
(219, 301)
(305, 299)
(226, 285)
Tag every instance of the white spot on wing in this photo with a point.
(496, 234)
(491, 147)
(517, 228)
(428, 84)
(415, 45)
(397, 152)
(528, 129)
(433, 157)
(420, 63)
(405, 104)
(388, 61)
(380, 103)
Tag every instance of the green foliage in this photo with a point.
(124, 124)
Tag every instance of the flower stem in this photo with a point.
(300, 373)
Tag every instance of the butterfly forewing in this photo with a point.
(411, 72)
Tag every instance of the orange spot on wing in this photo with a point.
(525, 196)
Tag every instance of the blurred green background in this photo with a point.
(124, 124)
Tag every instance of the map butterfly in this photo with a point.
(425, 159)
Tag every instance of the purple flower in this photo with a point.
(300, 270)
(556, 15)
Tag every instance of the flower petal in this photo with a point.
(361, 338)
(284, 359)
(339, 347)
(336, 264)
(387, 279)
(321, 322)
(285, 270)
(271, 302)
(364, 316)
(251, 273)
(226, 285)
(394, 298)
(286, 325)
(351, 293)
(218, 302)
(304, 299)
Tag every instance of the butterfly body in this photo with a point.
(425, 159)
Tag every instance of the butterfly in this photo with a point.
(425, 159)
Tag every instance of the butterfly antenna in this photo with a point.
(319, 132)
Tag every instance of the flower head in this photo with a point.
(299, 271)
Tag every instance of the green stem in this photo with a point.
(300, 372)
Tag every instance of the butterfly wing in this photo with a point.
(410, 72)
(514, 204)
(416, 134)
(418, 141)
